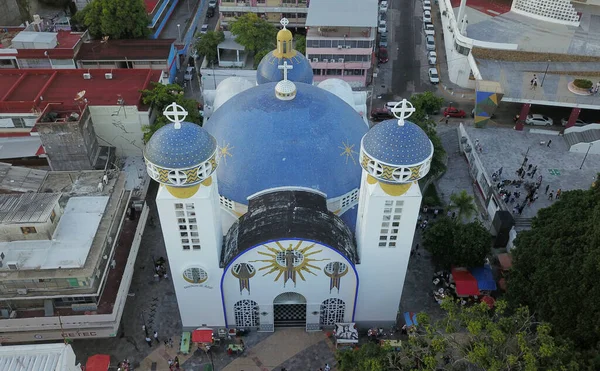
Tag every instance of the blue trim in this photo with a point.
(156, 17)
(172, 63)
(293, 239)
(164, 21)
(189, 35)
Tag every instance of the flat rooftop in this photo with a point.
(27, 90)
(20, 179)
(342, 13)
(20, 147)
(67, 42)
(38, 357)
(116, 50)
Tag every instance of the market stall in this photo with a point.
(98, 362)
(203, 338)
(466, 284)
(184, 346)
(345, 334)
(484, 277)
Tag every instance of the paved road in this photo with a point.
(183, 13)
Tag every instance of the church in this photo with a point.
(285, 209)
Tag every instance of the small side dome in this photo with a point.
(340, 88)
(228, 88)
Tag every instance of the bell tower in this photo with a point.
(394, 155)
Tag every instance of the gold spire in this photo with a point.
(284, 42)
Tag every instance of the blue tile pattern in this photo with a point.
(349, 217)
(180, 148)
(397, 145)
(268, 70)
(311, 141)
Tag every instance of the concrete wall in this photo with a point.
(120, 127)
(9, 16)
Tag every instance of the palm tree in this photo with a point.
(464, 204)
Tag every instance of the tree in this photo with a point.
(207, 44)
(159, 96)
(254, 33)
(425, 104)
(119, 19)
(455, 244)
(463, 203)
(300, 44)
(369, 357)
(477, 338)
(259, 55)
(556, 266)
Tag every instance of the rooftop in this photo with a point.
(30, 90)
(66, 43)
(229, 43)
(342, 13)
(27, 208)
(20, 147)
(20, 179)
(96, 50)
(38, 357)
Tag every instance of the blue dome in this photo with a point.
(397, 145)
(311, 141)
(181, 148)
(268, 70)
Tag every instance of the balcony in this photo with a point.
(341, 32)
(246, 7)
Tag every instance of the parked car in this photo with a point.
(538, 120)
(427, 16)
(380, 114)
(426, 5)
(430, 42)
(428, 29)
(578, 122)
(454, 112)
(204, 29)
(432, 57)
(383, 55)
(383, 7)
(390, 105)
(383, 40)
(189, 74)
(434, 78)
(212, 3)
(382, 27)
(210, 12)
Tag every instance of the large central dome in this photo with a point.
(311, 141)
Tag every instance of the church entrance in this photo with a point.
(289, 310)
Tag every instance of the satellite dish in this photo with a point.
(80, 95)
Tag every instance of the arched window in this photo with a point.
(246, 313)
(332, 311)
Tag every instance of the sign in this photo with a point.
(201, 285)
(554, 172)
(83, 334)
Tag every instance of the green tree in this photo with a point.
(369, 357)
(455, 244)
(300, 44)
(477, 338)
(556, 266)
(464, 205)
(119, 19)
(254, 33)
(425, 104)
(159, 96)
(207, 44)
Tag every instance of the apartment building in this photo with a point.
(272, 10)
(341, 39)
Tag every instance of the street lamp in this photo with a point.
(545, 72)
(586, 154)
(179, 32)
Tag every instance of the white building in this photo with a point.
(284, 210)
(39, 357)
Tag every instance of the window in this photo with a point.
(246, 313)
(392, 210)
(228, 14)
(187, 222)
(317, 72)
(334, 72)
(195, 275)
(332, 312)
(301, 15)
(226, 203)
(28, 230)
(350, 198)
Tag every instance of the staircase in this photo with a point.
(586, 136)
(522, 223)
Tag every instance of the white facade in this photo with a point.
(555, 11)
(41, 357)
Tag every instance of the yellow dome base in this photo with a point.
(183, 192)
(390, 189)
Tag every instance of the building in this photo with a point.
(67, 256)
(340, 40)
(38, 357)
(284, 209)
(271, 10)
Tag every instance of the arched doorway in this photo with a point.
(289, 310)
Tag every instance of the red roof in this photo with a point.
(150, 5)
(98, 362)
(27, 90)
(65, 49)
(466, 284)
(202, 335)
(133, 49)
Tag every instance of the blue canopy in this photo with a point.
(410, 318)
(484, 277)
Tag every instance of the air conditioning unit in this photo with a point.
(332, 61)
(341, 60)
(12, 266)
(340, 46)
(108, 76)
(87, 76)
(22, 291)
(315, 59)
(347, 46)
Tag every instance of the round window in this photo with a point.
(195, 275)
(293, 256)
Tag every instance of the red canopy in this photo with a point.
(466, 284)
(98, 362)
(202, 335)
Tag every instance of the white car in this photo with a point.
(430, 42)
(428, 29)
(212, 3)
(382, 27)
(426, 5)
(578, 122)
(204, 29)
(539, 120)
(383, 7)
(432, 57)
(427, 16)
(434, 78)
(390, 105)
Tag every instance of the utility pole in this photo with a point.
(586, 154)
(545, 72)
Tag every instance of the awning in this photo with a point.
(410, 318)
(505, 261)
(466, 284)
(98, 362)
(484, 277)
(202, 335)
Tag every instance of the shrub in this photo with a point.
(583, 83)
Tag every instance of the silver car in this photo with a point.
(434, 78)
(539, 120)
(430, 41)
(432, 58)
(427, 16)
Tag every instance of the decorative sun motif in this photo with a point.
(348, 151)
(290, 261)
(224, 151)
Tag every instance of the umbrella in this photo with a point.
(489, 301)
(410, 318)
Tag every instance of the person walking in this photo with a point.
(327, 368)
(550, 141)
(551, 195)
(446, 120)
(156, 337)
(149, 341)
(547, 188)
(529, 167)
(558, 193)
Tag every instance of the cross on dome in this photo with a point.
(175, 113)
(285, 67)
(284, 22)
(402, 110)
